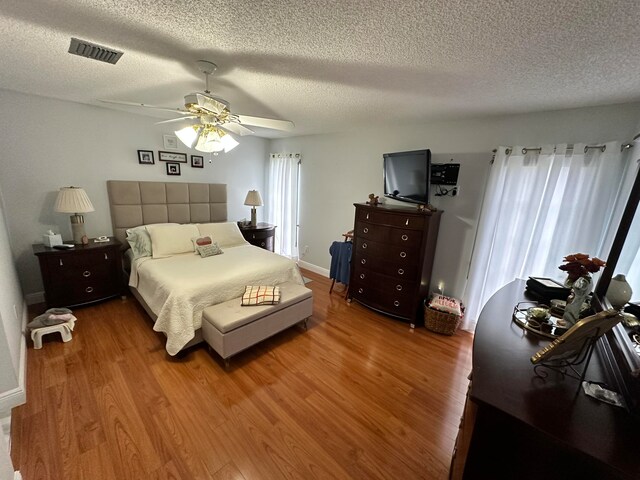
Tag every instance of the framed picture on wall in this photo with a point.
(145, 157)
(172, 156)
(197, 161)
(170, 142)
(173, 169)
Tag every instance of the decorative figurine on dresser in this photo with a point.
(393, 250)
(80, 274)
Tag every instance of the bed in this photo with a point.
(171, 281)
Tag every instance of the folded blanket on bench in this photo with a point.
(260, 295)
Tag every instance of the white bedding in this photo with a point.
(178, 288)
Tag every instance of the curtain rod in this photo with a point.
(525, 150)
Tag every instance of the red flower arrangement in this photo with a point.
(580, 265)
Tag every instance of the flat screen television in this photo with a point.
(406, 176)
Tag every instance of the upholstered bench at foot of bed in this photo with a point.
(229, 327)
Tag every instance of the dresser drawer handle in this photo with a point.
(405, 237)
(362, 275)
(407, 222)
(363, 261)
(398, 287)
(396, 303)
(262, 244)
(367, 216)
(360, 290)
(61, 264)
(364, 245)
(86, 273)
(400, 271)
(88, 289)
(403, 254)
(106, 257)
(365, 230)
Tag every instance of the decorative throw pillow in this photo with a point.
(209, 249)
(260, 295)
(199, 242)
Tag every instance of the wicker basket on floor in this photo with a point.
(440, 322)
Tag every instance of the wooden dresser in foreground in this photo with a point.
(392, 259)
(83, 274)
(518, 425)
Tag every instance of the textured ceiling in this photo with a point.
(332, 65)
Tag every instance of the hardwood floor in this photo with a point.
(357, 396)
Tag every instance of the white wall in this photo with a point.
(12, 321)
(12, 344)
(341, 169)
(48, 144)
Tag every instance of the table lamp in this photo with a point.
(254, 200)
(74, 200)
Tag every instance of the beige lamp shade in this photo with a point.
(73, 200)
(253, 199)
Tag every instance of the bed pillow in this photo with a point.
(140, 241)
(208, 250)
(168, 240)
(225, 234)
(260, 295)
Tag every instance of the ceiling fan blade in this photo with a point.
(179, 119)
(237, 128)
(133, 104)
(266, 122)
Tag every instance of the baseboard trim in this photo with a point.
(33, 298)
(314, 268)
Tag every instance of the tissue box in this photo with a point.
(51, 240)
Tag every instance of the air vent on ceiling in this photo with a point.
(91, 50)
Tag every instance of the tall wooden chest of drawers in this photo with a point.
(392, 259)
(83, 274)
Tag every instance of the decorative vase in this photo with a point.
(579, 292)
(619, 292)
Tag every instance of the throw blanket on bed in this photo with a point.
(178, 288)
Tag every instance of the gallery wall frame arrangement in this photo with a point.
(145, 157)
(197, 161)
(172, 156)
(170, 142)
(173, 168)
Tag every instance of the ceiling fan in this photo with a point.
(207, 121)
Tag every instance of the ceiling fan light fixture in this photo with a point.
(188, 135)
(229, 142)
(214, 139)
(209, 140)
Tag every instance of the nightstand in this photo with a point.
(262, 235)
(80, 275)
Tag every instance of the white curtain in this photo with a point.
(281, 205)
(540, 205)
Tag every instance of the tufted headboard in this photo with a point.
(142, 203)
